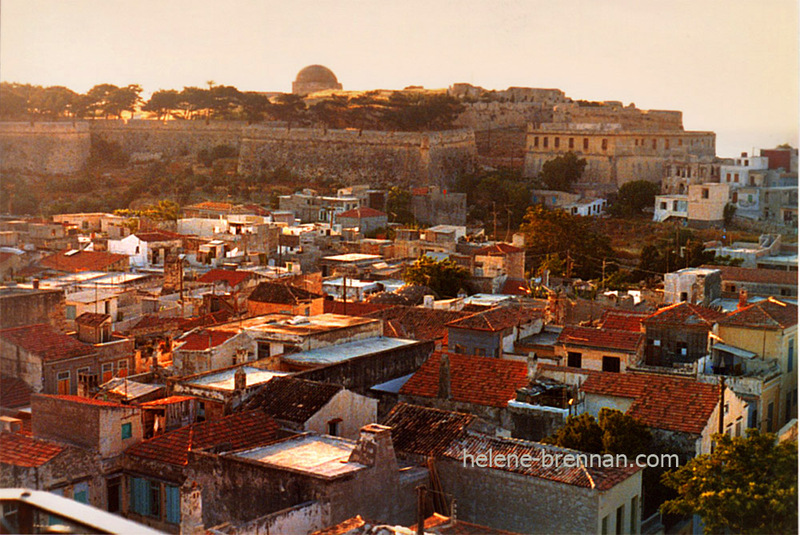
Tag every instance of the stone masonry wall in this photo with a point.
(171, 138)
(52, 148)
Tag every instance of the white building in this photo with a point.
(738, 174)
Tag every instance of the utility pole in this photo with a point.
(603, 281)
(494, 213)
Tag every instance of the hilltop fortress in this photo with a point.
(518, 127)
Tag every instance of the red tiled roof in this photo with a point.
(291, 398)
(418, 323)
(45, 342)
(82, 261)
(770, 313)
(670, 403)
(14, 392)
(498, 249)
(237, 431)
(233, 278)
(166, 401)
(281, 293)
(92, 320)
(479, 380)
(85, 401)
(620, 320)
(425, 430)
(158, 235)
(763, 276)
(202, 340)
(362, 212)
(627, 341)
(685, 314)
(584, 475)
(21, 450)
(497, 319)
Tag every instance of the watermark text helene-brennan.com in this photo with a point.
(555, 459)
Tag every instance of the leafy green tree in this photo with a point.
(623, 434)
(633, 197)
(255, 106)
(444, 277)
(550, 232)
(562, 172)
(582, 433)
(13, 100)
(398, 206)
(288, 107)
(52, 102)
(728, 213)
(122, 99)
(98, 99)
(162, 103)
(418, 111)
(747, 485)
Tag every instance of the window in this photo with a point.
(572, 142)
(173, 504)
(127, 430)
(545, 141)
(333, 427)
(573, 359)
(63, 383)
(139, 496)
(604, 144)
(705, 193)
(666, 144)
(664, 205)
(122, 368)
(657, 342)
(682, 349)
(586, 143)
(634, 513)
(790, 356)
(611, 364)
(620, 519)
(556, 142)
(155, 499)
(604, 526)
(684, 296)
(107, 371)
(770, 416)
(479, 352)
(81, 492)
(739, 426)
(460, 349)
(655, 143)
(113, 489)
(536, 141)
(70, 311)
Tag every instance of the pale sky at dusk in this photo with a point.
(731, 66)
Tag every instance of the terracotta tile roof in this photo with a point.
(256, 209)
(479, 380)
(770, 313)
(45, 342)
(21, 450)
(763, 276)
(83, 261)
(14, 392)
(158, 235)
(627, 341)
(498, 249)
(515, 287)
(358, 308)
(85, 401)
(423, 430)
(233, 278)
(623, 320)
(685, 314)
(587, 476)
(670, 403)
(91, 319)
(237, 431)
(419, 323)
(204, 339)
(497, 319)
(166, 401)
(220, 316)
(292, 399)
(443, 525)
(362, 212)
(281, 293)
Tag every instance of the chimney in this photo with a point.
(532, 366)
(239, 380)
(374, 447)
(427, 301)
(444, 376)
(742, 299)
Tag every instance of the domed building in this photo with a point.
(314, 78)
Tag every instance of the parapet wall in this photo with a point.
(171, 138)
(50, 148)
(354, 157)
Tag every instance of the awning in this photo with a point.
(743, 353)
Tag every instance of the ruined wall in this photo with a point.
(51, 148)
(356, 157)
(29, 307)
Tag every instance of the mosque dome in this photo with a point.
(315, 78)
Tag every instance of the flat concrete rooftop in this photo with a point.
(224, 380)
(350, 350)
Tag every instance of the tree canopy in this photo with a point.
(633, 197)
(613, 432)
(562, 172)
(747, 485)
(443, 276)
(555, 233)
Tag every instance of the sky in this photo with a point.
(731, 66)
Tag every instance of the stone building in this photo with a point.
(678, 334)
(602, 349)
(28, 306)
(315, 78)
(620, 144)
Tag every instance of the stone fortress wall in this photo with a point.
(354, 156)
(348, 155)
(48, 148)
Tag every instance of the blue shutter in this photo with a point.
(140, 496)
(173, 504)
